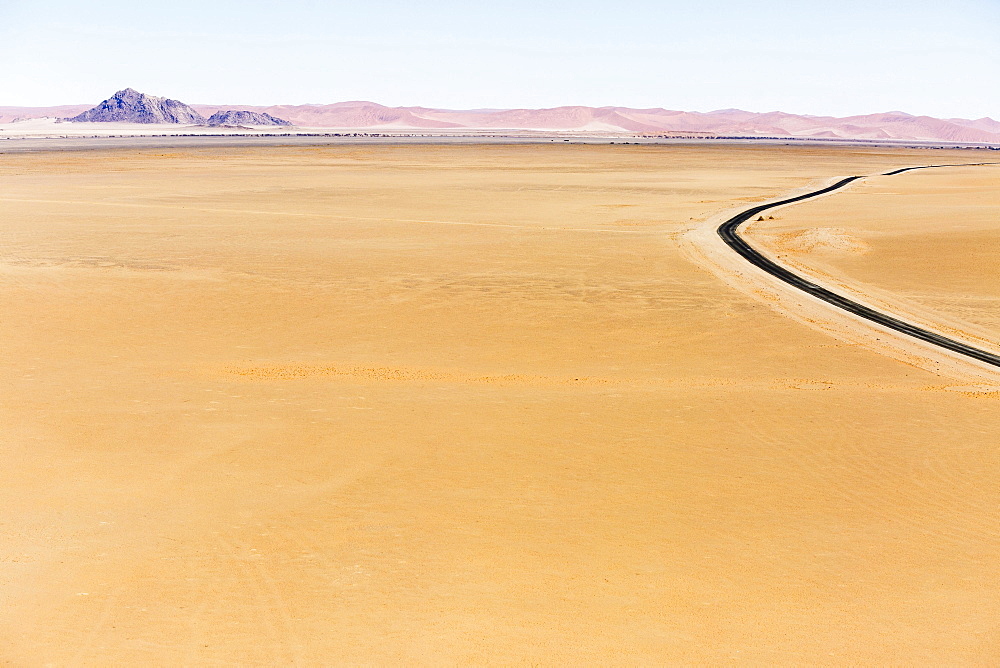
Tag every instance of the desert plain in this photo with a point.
(480, 404)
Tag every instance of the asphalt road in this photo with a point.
(728, 232)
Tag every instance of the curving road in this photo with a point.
(728, 232)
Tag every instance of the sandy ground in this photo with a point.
(17, 132)
(27, 134)
(466, 404)
(37, 128)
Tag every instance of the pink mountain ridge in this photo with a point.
(726, 122)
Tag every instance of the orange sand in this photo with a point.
(463, 404)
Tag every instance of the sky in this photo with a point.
(826, 58)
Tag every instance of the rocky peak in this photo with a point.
(131, 106)
(245, 118)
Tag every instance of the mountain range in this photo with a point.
(369, 115)
(131, 106)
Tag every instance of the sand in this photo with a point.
(465, 404)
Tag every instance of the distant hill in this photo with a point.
(131, 106)
(728, 122)
(231, 117)
(11, 114)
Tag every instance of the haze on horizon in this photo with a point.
(826, 59)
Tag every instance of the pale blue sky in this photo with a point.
(938, 58)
